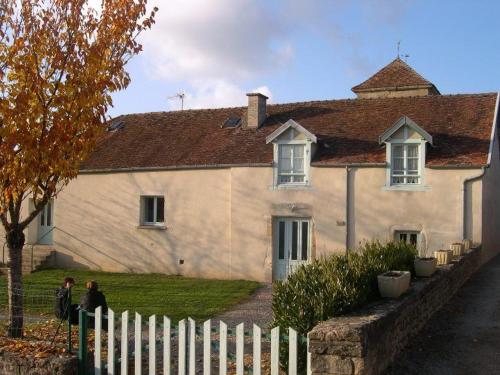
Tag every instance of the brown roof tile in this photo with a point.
(396, 74)
(347, 132)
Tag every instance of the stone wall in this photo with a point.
(366, 342)
(11, 363)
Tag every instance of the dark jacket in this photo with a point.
(93, 299)
(62, 309)
(90, 301)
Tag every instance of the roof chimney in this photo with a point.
(256, 110)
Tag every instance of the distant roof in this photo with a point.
(396, 74)
(347, 132)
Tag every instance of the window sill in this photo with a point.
(152, 226)
(291, 187)
(406, 188)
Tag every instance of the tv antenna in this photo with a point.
(179, 95)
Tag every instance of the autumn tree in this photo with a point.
(60, 61)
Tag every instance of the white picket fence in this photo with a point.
(186, 359)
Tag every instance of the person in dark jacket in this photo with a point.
(92, 299)
(63, 309)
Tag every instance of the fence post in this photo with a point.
(69, 311)
(82, 342)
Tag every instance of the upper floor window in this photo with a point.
(405, 146)
(291, 164)
(293, 148)
(405, 164)
(152, 210)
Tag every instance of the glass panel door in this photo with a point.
(45, 224)
(292, 246)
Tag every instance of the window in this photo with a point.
(153, 210)
(408, 237)
(291, 164)
(405, 164)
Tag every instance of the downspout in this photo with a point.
(347, 206)
(483, 169)
(464, 190)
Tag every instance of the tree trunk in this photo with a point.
(15, 243)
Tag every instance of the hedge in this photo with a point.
(335, 285)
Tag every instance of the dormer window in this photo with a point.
(292, 155)
(405, 144)
(291, 168)
(405, 164)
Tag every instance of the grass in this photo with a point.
(174, 296)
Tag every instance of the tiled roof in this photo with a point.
(347, 132)
(396, 74)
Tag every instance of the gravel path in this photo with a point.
(464, 337)
(255, 309)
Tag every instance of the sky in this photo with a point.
(215, 51)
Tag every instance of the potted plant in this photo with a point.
(425, 266)
(467, 244)
(443, 256)
(457, 248)
(392, 284)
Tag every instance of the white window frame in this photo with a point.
(154, 223)
(307, 164)
(389, 185)
(406, 176)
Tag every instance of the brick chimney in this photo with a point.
(256, 110)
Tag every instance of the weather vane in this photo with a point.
(405, 56)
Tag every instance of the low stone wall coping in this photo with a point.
(366, 341)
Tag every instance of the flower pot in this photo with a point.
(457, 248)
(392, 284)
(425, 267)
(443, 257)
(467, 244)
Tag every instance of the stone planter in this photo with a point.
(425, 267)
(467, 244)
(457, 248)
(392, 284)
(443, 257)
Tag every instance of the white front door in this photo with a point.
(46, 224)
(292, 245)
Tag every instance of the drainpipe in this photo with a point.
(347, 206)
(464, 190)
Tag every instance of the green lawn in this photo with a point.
(174, 296)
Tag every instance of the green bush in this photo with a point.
(335, 285)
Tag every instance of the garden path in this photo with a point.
(463, 338)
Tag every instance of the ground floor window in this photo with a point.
(411, 237)
(152, 210)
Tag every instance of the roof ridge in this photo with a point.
(318, 101)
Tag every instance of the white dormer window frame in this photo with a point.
(412, 151)
(294, 176)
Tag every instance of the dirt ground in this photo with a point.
(464, 337)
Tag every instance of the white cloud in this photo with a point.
(217, 39)
(216, 93)
(213, 48)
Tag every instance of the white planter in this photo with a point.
(467, 244)
(457, 248)
(425, 267)
(443, 256)
(392, 284)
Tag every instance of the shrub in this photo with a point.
(335, 285)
